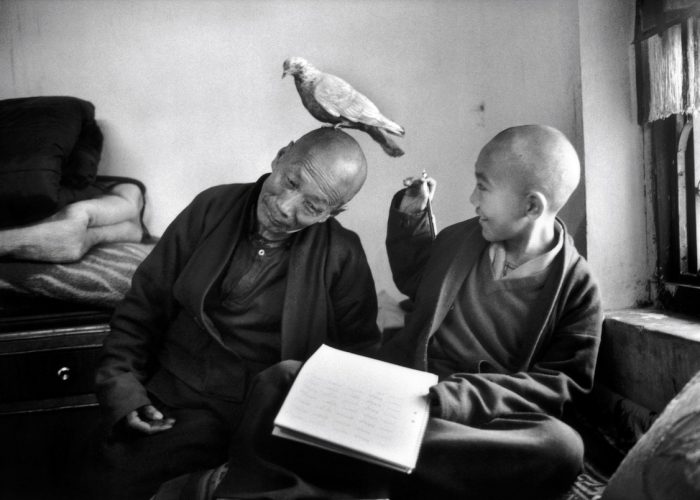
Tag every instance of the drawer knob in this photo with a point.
(63, 373)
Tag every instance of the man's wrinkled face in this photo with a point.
(301, 191)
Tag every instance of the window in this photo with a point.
(687, 200)
(668, 89)
(676, 174)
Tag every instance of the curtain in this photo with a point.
(668, 58)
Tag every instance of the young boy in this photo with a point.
(506, 312)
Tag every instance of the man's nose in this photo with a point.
(287, 205)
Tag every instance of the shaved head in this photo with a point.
(536, 158)
(338, 159)
(312, 179)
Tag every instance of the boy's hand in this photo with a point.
(418, 193)
(149, 420)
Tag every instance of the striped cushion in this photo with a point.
(100, 278)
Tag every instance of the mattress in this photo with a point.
(100, 279)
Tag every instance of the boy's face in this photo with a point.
(499, 205)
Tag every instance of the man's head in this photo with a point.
(312, 179)
(523, 174)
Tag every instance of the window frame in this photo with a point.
(671, 140)
(670, 147)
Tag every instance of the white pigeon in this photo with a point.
(331, 99)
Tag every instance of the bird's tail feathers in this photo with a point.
(388, 145)
(393, 127)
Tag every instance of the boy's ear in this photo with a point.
(536, 204)
(281, 153)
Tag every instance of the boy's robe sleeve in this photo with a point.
(408, 243)
(140, 321)
(564, 369)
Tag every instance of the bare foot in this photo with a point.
(61, 239)
(70, 233)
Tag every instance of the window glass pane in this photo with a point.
(685, 139)
(696, 184)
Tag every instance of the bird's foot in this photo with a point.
(343, 124)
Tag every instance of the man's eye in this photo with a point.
(313, 209)
(291, 183)
(480, 187)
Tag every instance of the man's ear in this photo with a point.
(281, 153)
(536, 204)
(338, 210)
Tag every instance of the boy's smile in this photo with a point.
(498, 203)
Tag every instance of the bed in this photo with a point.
(50, 149)
(53, 315)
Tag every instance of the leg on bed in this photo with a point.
(67, 235)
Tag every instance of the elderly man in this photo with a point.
(247, 276)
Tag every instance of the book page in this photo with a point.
(360, 403)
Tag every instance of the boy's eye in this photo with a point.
(480, 187)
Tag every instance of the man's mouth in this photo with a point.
(273, 220)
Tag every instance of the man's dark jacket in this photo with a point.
(330, 298)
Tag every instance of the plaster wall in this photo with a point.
(615, 198)
(189, 93)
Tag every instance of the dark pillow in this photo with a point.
(49, 151)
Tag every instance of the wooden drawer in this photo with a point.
(49, 369)
(47, 374)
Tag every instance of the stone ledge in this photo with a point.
(648, 355)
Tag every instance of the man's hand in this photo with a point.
(148, 420)
(418, 193)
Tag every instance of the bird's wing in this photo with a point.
(340, 99)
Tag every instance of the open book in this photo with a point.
(358, 406)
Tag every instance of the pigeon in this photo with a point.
(331, 99)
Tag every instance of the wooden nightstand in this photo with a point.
(47, 402)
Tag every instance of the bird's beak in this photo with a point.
(284, 73)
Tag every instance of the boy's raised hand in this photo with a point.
(418, 193)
